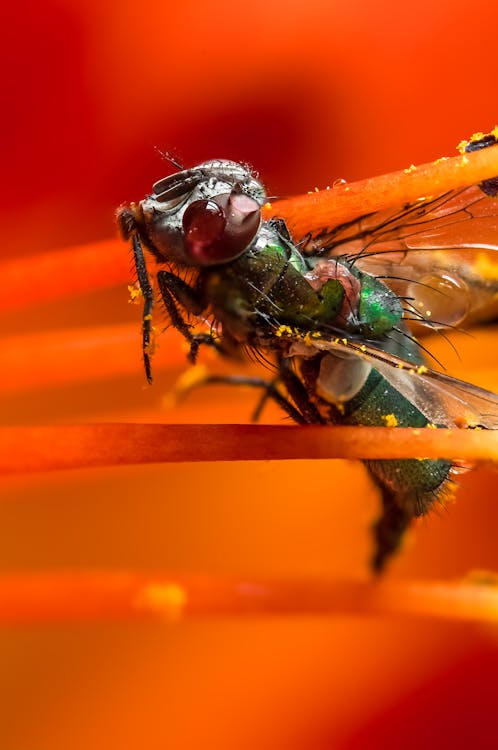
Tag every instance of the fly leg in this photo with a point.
(177, 293)
(270, 391)
(148, 295)
(298, 393)
(390, 528)
(130, 229)
(174, 291)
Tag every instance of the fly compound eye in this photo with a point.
(221, 228)
(203, 223)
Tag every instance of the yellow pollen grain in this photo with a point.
(411, 168)
(390, 420)
(135, 294)
(431, 426)
(283, 331)
(421, 370)
(344, 341)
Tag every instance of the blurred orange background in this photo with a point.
(306, 92)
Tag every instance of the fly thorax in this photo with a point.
(341, 377)
(269, 244)
(379, 309)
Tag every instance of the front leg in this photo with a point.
(148, 295)
(176, 293)
(131, 229)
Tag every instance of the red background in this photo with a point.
(306, 92)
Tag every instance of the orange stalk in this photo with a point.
(27, 449)
(29, 598)
(77, 355)
(329, 208)
(29, 280)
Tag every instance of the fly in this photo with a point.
(332, 312)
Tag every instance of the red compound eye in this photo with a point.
(220, 229)
(203, 223)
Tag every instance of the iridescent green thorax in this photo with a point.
(379, 308)
(266, 288)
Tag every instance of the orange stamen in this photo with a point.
(329, 208)
(29, 598)
(27, 449)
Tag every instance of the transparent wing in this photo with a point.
(442, 399)
(439, 253)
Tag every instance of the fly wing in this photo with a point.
(466, 218)
(442, 399)
(445, 243)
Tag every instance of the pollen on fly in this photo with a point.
(331, 312)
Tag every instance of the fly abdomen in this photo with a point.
(361, 396)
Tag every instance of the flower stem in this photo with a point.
(329, 208)
(45, 448)
(54, 597)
